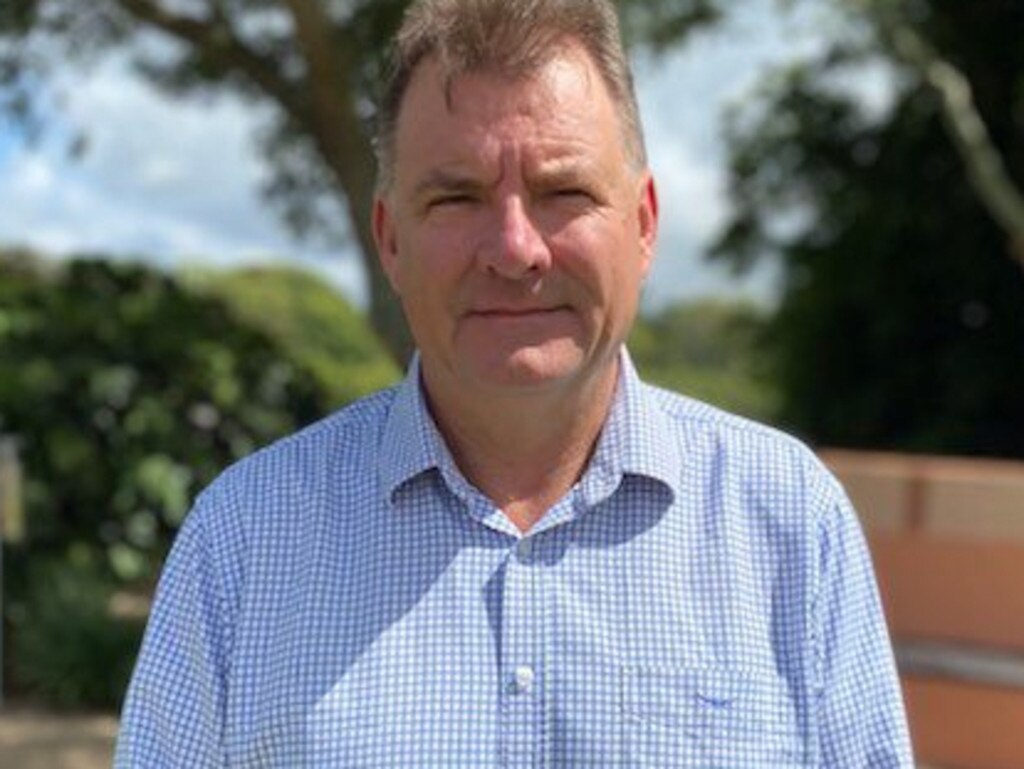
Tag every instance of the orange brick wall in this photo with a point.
(947, 539)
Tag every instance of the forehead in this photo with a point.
(563, 98)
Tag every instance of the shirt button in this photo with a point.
(523, 549)
(523, 678)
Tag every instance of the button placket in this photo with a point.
(521, 714)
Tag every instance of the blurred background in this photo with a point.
(186, 275)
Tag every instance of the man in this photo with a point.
(522, 555)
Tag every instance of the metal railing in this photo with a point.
(961, 662)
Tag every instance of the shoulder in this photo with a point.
(765, 463)
(339, 436)
(247, 525)
(292, 471)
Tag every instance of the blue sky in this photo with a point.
(176, 182)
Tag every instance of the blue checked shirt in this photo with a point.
(701, 598)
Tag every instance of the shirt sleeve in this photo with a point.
(861, 716)
(173, 714)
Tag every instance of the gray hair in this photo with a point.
(510, 37)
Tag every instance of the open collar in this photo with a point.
(636, 439)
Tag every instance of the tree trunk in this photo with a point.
(341, 138)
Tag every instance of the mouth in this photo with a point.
(516, 312)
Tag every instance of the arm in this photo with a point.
(860, 707)
(174, 711)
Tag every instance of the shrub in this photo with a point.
(67, 648)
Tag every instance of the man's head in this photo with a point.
(517, 221)
(510, 38)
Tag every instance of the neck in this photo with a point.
(524, 451)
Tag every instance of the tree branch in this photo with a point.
(986, 168)
(216, 39)
(329, 85)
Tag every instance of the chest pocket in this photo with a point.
(708, 717)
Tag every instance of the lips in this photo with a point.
(516, 312)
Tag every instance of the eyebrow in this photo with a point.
(448, 181)
(559, 174)
(551, 174)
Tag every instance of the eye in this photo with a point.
(450, 199)
(572, 195)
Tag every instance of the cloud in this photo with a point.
(682, 95)
(192, 158)
(172, 181)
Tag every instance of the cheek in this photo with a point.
(428, 272)
(441, 246)
(592, 258)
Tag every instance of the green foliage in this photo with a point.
(305, 316)
(708, 350)
(68, 648)
(661, 24)
(129, 393)
(902, 320)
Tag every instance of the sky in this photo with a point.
(176, 182)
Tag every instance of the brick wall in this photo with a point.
(947, 539)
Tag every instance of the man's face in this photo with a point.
(516, 232)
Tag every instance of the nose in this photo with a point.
(516, 248)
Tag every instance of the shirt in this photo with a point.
(702, 597)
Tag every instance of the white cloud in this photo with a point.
(692, 188)
(682, 95)
(37, 177)
(172, 181)
(194, 161)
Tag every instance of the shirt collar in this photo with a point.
(636, 439)
(411, 444)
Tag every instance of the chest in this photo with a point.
(565, 649)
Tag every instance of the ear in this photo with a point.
(386, 239)
(647, 217)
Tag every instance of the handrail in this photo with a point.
(968, 664)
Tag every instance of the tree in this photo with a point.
(707, 349)
(986, 168)
(902, 321)
(130, 391)
(315, 63)
(305, 316)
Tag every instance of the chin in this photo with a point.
(529, 369)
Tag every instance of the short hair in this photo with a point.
(509, 37)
